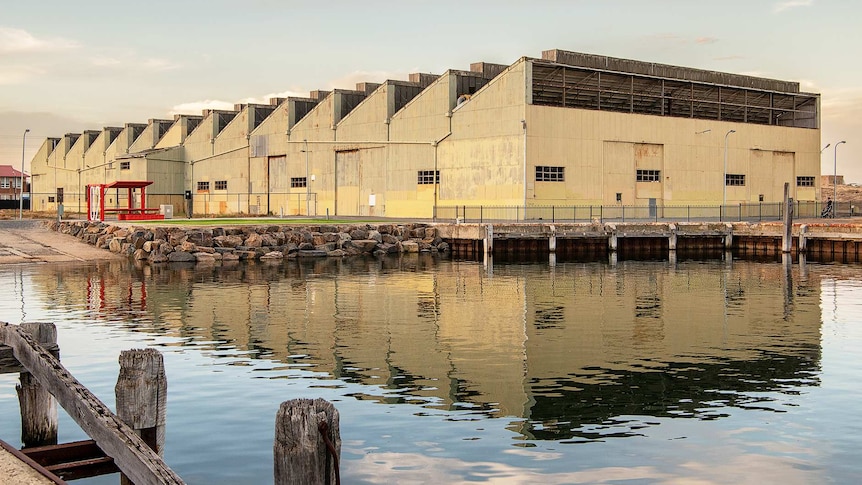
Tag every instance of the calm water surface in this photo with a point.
(452, 372)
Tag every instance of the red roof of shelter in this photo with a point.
(128, 184)
(9, 171)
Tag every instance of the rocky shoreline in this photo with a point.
(267, 242)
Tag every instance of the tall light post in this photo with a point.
(724, 182)
(21, 188)
(307, 188)
(835, 178)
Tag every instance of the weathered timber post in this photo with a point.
(38, 406)
(671, 238)
(552, 239)
(802, 245)
(141, 392)
(787, 238)
(728, 238)
(307, 443)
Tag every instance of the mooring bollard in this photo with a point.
(38, 406)
(307, 444)
(141, 392)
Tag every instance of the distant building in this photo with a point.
(566, 129)
(831, 180)
(10, 183)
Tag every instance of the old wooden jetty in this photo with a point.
(307, 445)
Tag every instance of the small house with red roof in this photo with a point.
(10, 183)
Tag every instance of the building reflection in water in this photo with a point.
(574, 351)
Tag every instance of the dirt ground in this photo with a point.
(846, 193)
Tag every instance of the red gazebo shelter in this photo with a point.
(96, 202)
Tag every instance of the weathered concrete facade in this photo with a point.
(565, 129)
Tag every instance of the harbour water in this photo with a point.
(707, 371)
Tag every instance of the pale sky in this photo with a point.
(68, 66)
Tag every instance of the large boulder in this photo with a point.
(358, 234)
(201, 238)
(253, 240)
(273, 255)
(181, 257)
(362, 245)
(227, 241)
(116, 245)
(311, 253)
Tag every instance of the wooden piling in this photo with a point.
(132, 456)
(307, 444)
(38, 406)
(787, 236)
(141, 393)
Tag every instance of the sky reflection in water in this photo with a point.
(448, 371)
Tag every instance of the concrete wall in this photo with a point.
(482, 162)
(601, 152)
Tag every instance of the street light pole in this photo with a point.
(307, 181)
(21, 188)
(835, 178)
(724, 182)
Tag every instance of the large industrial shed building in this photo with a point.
(568, 129)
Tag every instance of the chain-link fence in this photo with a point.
(622, 213)
(200, 203)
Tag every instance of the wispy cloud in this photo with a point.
(266, 97)
(20, 41)
(349, 81)
(131, 61)
(789, 4)
(679, 39)
(195, 107)
(17, 74)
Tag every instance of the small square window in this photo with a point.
(649, 176)
(203, 186)
(734, 180)
(221, 184)
(428, 177)
(805, 181)
(298, 182)
(545, 173)
(125, 165)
